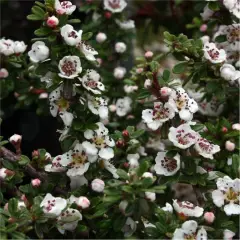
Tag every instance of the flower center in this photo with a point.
(114, 4)
(234, 35)
(63, 104)
(190, 236)
(213, 53)
(78, 158)
(232, 196)
(66, 4)
(160, 112)
(169, 164)
(72, 34)
(69, 67)
(99, 142)
(184, 138)
(50, 204)
(205, 145)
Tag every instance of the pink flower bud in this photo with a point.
(203, 28)
(224, 129)
(148, 54)
(83, 202)
(36, 182)
(147, 83)
(236, 126)
(151, 196)
(101, 37)
(112, 108)
(100, 61)
(230, 146)
(3, 73)
(209, 217)
(165, 91)
(98, 185)
(52, 21)
(43, 95)
(15, 139)
(139, 70)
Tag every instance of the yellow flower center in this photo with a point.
(79, 158)
(63, 104)
(231, 195)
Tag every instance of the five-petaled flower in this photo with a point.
(39, 52)
(114, 6)
(213, 54)
(65, 7)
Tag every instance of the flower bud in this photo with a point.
(120, 47)
(101, 37)
(126, 165)
(108, 15)
(3, 173)
(120, 143)
(165, 91)
(83, 202)
(148, 54)
(15, 139)
(3, 73)
(151, 196)
(98, 185)
(209, 217)
(224, 129)
(236, 126)
(147, 175)
(36, 182)
(100, 61)
(230, 146)
(112, 108)
(203, 28)
(125, 133)
(122, 206)
(43, 95)
(52, 21)
(147, 83)
(119, 72)
(35, 154)
(139, 70)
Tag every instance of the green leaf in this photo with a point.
(43, 31)
(24, 160)
(38, 11)
(72, 21)
(18, 235)
(214, 6)
(127, 188)
(42, 153)
(137, 134)
(142, 168)
(119, 222)
(166, 75)
(52, 38)
(180, 67)
(33, 17)
(100, 212)
(144, 94)
(161, 227)
(157, 189)
(40, 4)
(38, 230)
(8, 164)
(122, 174)
(25, 188)
(154, 66)
(235, 164)
(87, 36)
(3, 142)
(13, 206)
(12, 227)
(221, 38)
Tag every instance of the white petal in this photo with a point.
(90, 148)
(232, 208)
(88, 134)
(218, 198)
(106, 153)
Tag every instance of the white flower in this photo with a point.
(87, 50)
(182, 136)
(160, 114)
(229, 73)
(39, 52)
(227, 195)
(147, 83)
(130, 88)
(114, 6)
(82, 202)
(52, 21)
(19, 47)
(91, 81)
(68, 220)
(230, 146)
(77, 161)
(183, 104)
(233, 36)
(98, 185)
(119, 72)
(228, 235)
(120, 47)
(189, 231)
(205, 148)
(7, 47)
(233, 6)
(126, 25)
(212, 108)
(65, 7)
(236, 126)
(3, 173)
(101, 37)
(187, 209)
(69, 67)
(4, 73)
(133, 160)
(98, 106)
(213, 54)
(129, 228)
(151, 196)
(207, 13)
(99, 142)
(70, 36)
(166, 166)
(123, 106)
(168, 208)
(53, 207)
